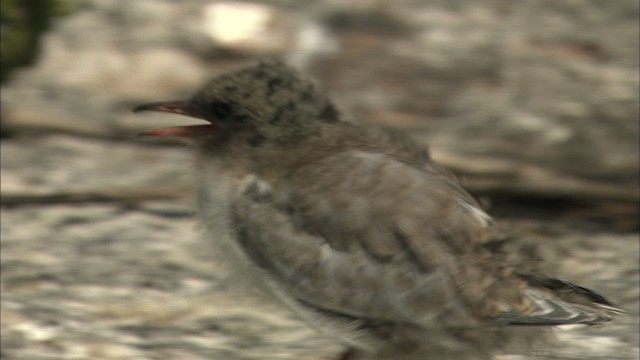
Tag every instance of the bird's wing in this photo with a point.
(365, 236)
(380, 241)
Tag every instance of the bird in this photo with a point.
(356, 229)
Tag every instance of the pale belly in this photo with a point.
(216, 190)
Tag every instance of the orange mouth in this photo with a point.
(176, 107)
(184, 132)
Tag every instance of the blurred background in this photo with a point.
(533, 103)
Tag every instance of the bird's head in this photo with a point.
(263, 102)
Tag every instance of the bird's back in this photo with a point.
(385, 234)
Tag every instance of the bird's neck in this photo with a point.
(273, 158)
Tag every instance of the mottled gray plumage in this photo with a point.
(357, 230)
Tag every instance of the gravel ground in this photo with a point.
(136, 281)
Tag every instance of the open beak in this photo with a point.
(176, 107)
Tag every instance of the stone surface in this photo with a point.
(546, 83)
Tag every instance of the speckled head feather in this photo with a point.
(263, 102)
(270, 96)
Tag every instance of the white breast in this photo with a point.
(216, 190)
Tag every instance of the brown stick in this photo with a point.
(486, 176)
(132, 195)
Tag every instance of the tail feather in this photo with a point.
(557, 302)
(571, 292)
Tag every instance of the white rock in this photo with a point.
(248, 27)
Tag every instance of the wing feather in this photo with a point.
(386, 241)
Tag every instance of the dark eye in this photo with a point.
(221, 110)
